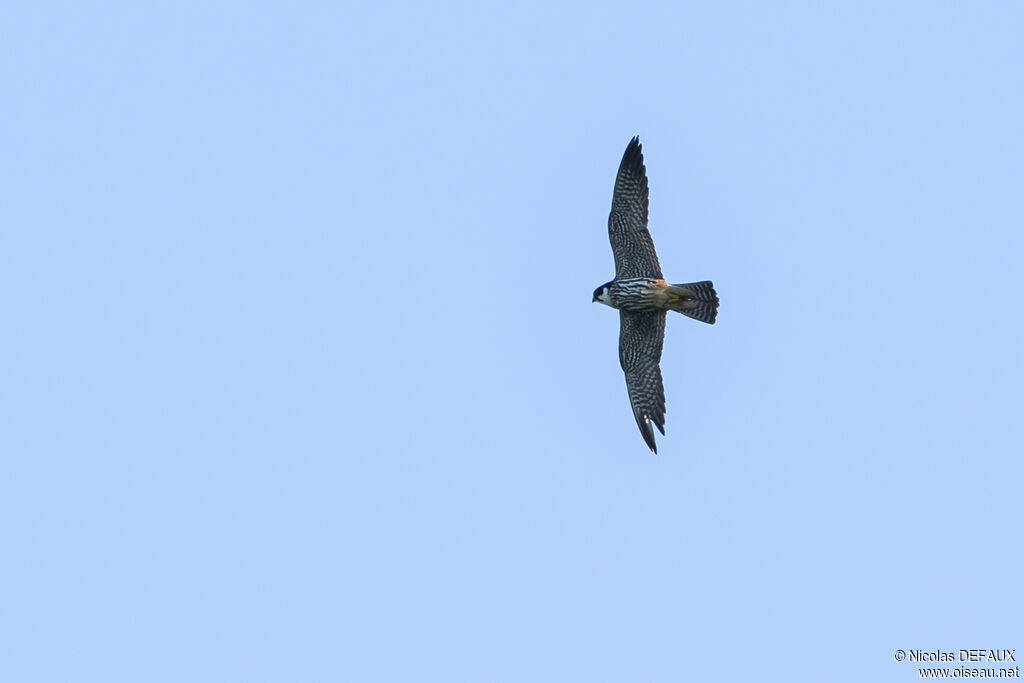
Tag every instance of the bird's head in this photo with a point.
(603, 294)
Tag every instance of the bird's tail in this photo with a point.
(697, 300)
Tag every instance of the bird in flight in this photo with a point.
(642, 296)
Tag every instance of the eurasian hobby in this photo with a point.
(642, 295)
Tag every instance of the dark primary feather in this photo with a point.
(641, 336)
(627, 223)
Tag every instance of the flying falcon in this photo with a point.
(642, 295)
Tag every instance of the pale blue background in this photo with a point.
(301, 380)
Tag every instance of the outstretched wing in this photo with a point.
(627, 223)
(641, 336)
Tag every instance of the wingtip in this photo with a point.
(647, 431)
(633, 158)
(651, 443)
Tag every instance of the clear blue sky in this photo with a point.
(301, 379)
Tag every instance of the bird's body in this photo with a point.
(642, 296)
(654, 294)
(635, 294)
